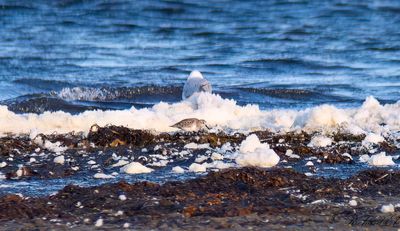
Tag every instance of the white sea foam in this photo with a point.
(135, 168)
(255, 153)
(197, 167)
(59, 159)
(103, 176)
(379, 159)
(320, 141)
(372, 138)
(224, 113)
(387, 208)
(178, 169)
(83, 93)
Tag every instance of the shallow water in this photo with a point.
(278, 54)
(50, 186)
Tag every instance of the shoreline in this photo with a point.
(291, 195)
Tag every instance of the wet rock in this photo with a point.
(388, 147)
(22, 172)
(343, 136)
(113, 136)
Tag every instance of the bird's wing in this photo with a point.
(191, 86)
(195, 85)
(206, 86)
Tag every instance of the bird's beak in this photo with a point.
(207, 126)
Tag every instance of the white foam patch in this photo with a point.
(178, 169)
(81, 93)
(255, 153)
(197, 167)
(251, 143)
(135, 168)
(59, 159)
(290, 154)
(217, 111)
(379, 159)
(103, 176)
(372, 138)
(320, 141)
(387, 208)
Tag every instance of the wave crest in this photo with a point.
(108, 94)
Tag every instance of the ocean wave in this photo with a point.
(282, 93)
(314, 95)
(40, 103)
(220, 113)
(109, 94)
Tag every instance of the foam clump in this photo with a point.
(178, 169)
(251, 143)
(325, 116)
(197, 146)
(120, 163)
(99, 222)
(372, 138)
(257, 154)
(217, 156)
(59, 159)
(378, 159)
(353, 203)
(289, 153)
(103, 176)
(135, 168)
(320, 141)
(197, 167)
(56, 147)
(387, 208)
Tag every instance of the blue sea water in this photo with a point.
(75, 55)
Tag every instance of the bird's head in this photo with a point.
(195, 74)
(204, 124)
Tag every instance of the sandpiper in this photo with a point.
(191, 124)
(195, 83)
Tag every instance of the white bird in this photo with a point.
(195, 83)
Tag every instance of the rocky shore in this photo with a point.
(294, 195)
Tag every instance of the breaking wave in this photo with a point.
(107, 93)
(219, 113)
